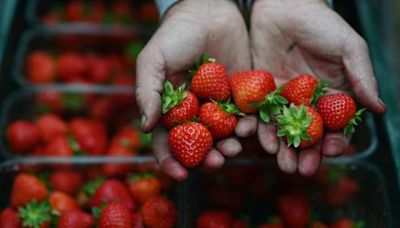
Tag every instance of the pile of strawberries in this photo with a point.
(300, 109)
(66, 198)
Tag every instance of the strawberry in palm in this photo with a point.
(303, 89)
(300, 126)
(210, 80)
(219, 118)
(178, 106)
(339, 112)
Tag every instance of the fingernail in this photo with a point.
(382, 104)
(144, 118)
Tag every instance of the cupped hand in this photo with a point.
(190, 29)
(305, 36)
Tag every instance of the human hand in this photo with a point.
(190, 29)
(305, 36)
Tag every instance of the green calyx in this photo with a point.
(319, 91)
(199, 61)
(272, 105)
(147, 175)
(96, 211)
(293, 124)
(359, 224)
(229, 107)
(74, 145)
(35, 214)
(90, 187)
(335, 173)
(350, 127)
(171, 97)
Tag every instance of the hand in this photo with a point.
(305, 36)
(190, 29)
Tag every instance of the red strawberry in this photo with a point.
(71, 66)
(35, 214)
(294, 210)
(210, 81)
(91, 135)
(178, 106)
(61, 202)
(137, 220)
(250, 90)
(339, 112)
(238, 223)
(318, 224)
(126, 137)
(219, 118)
(115, 215)
(112, 191)
(76, 219)
(49, 100)
(74, 11)
(9, 219)
(41, 67)
(301, 126)
(67, 181)
(159, 212)
(23, 136)
(144, 187)
(26, 188)
(115, 169)
(347, 223)
(98, 70)
(214, 219)
(123, 79)
(94, 12)
(51, 126)
(271, 225)
(340, 188)
(303, 89)
(190, 143)
(59, 147)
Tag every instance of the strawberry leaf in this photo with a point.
(272, 105)
(319, 91)
(350, 127)
(90, 187)
(171, 98)
(359, 224)
(229, 108)
(34, 214)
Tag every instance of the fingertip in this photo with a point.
(309, 161)
(334, 144)
(229, 147)
(267, 137)
(287, 159)
(246, 126)
(214, 159)
(174, 169)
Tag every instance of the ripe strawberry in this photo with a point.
(98, 70)
(144, 187)
(71, 66)
(76, 219)
(339, 112)
(23, 136)
(253, 90)
(9, 219)
(91, 135)
(178, 106)
(123, 79)
(340, 188)
(112, 191)
(214, 219)
(219, 118)
(210, 80)
(239, 223)
(74, 11)
(301, 126)
(115, 215)
(159, 212)
(67, 181)
(26, 188)
(59, 147)
(115, 169)
(51, 126)
(35, 214)
(303, 89)
(190, 143)
(61, 202)
(347, 223)
(41, 67)
(137, 220)
(318, 224)
(126, 137)
(50, 100)
(294, 210)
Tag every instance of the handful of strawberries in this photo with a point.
(300, 109)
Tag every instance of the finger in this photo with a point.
(168, 164)
(309, 161)
(213, 159)
(360, 74)
(267, 137)
(287, 159)
(246, 126)
(229, 147)
(334, 143)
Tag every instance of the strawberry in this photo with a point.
(50, 100)
(115, 169)
(340, 188)
(59, 147)
(41, 67)
(339, 112)
(60, 201)
(144, 187)
(271, 225)
(137, 220)
(74, 11)
(123, 79)
(70, 66)
(347, 223)
(219, 118)
(301, 126)
(67, 181)
(98, 70)
(51, 126)
(112, 191)
(102, 108)
(26, 188)
(214, 219)
(115, 215)
(23, 136)
(239, 223)
(159, 212)
(9, 219)
(294, 210)
(178, 106)
(318, 224)
(126, 137)
(76, 219)
(253, 90)
(91, 135)
(190, 143)
(210, 80)
(303, 89)
(35, 214)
